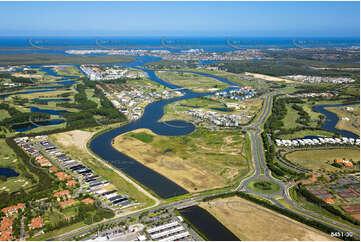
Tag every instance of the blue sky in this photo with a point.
(249, 19)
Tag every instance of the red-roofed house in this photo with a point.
(70, 183)
(43, 161)
(329, 200)
(88, 201)
(356, 216)
(9, 211)
(6, 224)
(62, 175)
(6, 235)
(67, 203)
(53, 169)
(64, 194)
(36, 223)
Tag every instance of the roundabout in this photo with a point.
(263, 186)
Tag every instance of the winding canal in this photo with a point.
(101, 145)
(331, 119)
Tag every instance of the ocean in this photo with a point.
(174, 44)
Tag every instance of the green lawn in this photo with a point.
(90, 95)
(290, 119)
(146, 138)
(4, 114)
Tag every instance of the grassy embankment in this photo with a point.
(200, 161)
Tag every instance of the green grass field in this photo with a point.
(67, 70)
(90, 95)
(303, 133)
(192, 81)
(322, 158)
(290, 120)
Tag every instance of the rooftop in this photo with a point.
(62, 193)
(36, 223)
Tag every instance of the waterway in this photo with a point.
(101, 145)
(332, 119)
(8, 172)
(207, 224)
(29, 126)
(51, 99)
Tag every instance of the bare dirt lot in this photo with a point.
(249, 221)
(268, 78)
(76, 138)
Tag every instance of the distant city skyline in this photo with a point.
(248, 19)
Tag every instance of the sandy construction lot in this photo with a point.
(268, 78)
(76, 138)
(249, 221)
